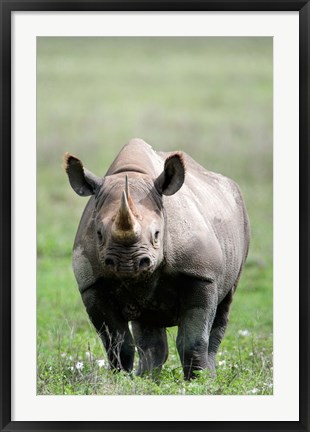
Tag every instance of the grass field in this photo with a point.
(211, 97)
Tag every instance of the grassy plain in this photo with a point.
(211, 97)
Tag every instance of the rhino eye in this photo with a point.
(99, 235)
(156, 236)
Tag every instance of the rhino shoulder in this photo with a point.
(84, 260)
(198, 256)
(82, 268)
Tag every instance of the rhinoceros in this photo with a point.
(162, 242)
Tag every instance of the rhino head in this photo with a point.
(128, 222)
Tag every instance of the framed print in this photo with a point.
(114, 307)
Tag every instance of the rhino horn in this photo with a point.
(126, 226)
(130, 200)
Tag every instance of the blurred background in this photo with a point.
(210, 97)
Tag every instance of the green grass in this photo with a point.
(211, 97)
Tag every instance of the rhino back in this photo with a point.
(137, 156)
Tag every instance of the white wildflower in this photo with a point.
(251, 354)
(101, 362)
(244, 333)
(254, 390)
(79, 365)
(222, 362)
(63, 354)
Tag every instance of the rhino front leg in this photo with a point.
(196, 318)
(152, 347)
(111, 327)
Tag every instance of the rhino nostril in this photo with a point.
(144, 263)
(109, 262)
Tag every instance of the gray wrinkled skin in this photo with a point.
(179, 268)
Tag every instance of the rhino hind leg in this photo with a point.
(152, 347)
(219, 326)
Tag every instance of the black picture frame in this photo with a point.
(6, 9)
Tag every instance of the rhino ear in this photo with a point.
(172, 178)
(82, 181)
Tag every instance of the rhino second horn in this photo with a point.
(125, 227)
